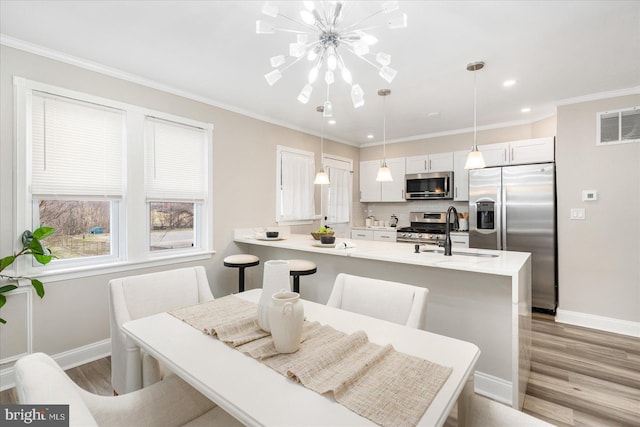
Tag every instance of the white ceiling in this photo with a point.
(556, 50)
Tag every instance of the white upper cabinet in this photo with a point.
(495, 154)
(374, 191)
(369, 187)
(537, 150)
(460, 176)
(440, 162)
(394, 191)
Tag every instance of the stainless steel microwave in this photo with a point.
(425, 186)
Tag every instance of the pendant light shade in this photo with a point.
(475, 160)
(384, 173)
(322, 178)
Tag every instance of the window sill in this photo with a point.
(116, 267)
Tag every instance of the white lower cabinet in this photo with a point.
(459, 240)
(384, 236)
(379, 235)
(362, 234)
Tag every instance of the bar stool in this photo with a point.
(241, 261)
(300, 267)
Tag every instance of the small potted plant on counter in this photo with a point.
(31, 245)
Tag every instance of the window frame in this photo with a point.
(132, 241)
(330, 160)
(280, 149)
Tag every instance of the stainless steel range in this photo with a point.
(426, 227)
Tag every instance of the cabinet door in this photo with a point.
(417, 164)
(369, 187)
(362, 234)
(460, 241)
(441, 162)
(495, 154)
(536, 150)
(460, 176)
(384, 236)
(394, 191)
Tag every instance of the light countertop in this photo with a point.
(506, 263)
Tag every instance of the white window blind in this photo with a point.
(297, 170)
(176, 161)
(76, 148)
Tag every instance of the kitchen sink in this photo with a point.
(440, 251)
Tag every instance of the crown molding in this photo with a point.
(600, 95)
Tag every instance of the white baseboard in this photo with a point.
(67, 360)
(602, 323)
(493, 387)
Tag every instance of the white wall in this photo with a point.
(74, 312)
(600, 256)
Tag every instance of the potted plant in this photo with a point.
(31, 245)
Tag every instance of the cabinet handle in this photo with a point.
(429, 164)
(456, 192)
(384, 237)
(504, 155)
(512, 154)
(425, 165)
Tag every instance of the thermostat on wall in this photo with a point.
(589, 195)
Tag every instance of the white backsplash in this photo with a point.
(383, 211)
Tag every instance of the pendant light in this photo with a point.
(322, 178)
(384, 173)
(475, 160)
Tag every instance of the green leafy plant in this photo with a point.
(31, 245)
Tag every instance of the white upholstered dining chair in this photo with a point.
(392, 301)
(139, 296)
(170, 402)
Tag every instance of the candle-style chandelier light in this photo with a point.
(323, 37)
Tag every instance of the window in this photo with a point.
(110, 176)
(295, 192)
(618, 127)
(337, 196)
(176, 182)
(76, 173)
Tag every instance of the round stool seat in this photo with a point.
(300, 267)
(241, 260)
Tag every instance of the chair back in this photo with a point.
(392, 301)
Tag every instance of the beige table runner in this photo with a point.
(376, 382)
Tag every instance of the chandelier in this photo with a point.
(323, 37)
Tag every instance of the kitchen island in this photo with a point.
(475, 295)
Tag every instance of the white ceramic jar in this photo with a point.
(274, 279)
(286, 317)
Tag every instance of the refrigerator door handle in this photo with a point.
(502, 236)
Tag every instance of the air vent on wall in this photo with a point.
(618, 127)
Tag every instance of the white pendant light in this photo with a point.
(384, 173)
(322, 178)
(475, 160)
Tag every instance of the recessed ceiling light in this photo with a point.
(525, 110)
(508, 83)
(370, 136)
(332, 122)
(433, 114)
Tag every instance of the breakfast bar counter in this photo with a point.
(475, 295)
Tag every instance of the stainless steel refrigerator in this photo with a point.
(513, 208)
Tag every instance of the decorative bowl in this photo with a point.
(318, 235)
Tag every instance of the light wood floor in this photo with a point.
(579, 377)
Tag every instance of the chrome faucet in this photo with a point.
(447, 240)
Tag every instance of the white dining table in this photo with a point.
(257, 395)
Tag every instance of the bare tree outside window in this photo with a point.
(171, 225)
(82, 227)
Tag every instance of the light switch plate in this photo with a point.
(577, 213)
(589, 195)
